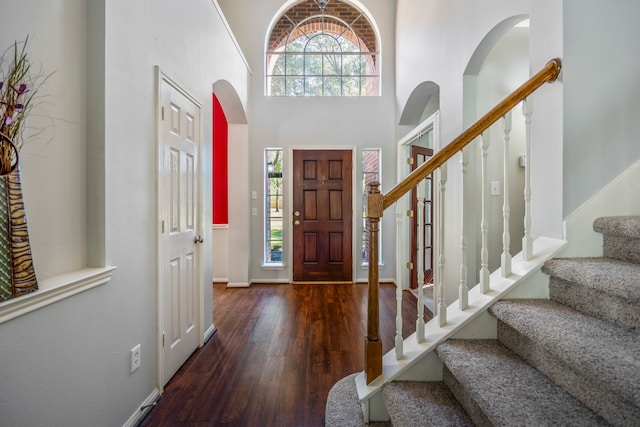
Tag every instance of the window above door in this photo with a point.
(327, 48)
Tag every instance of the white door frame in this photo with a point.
(403, 233)
(161, 78)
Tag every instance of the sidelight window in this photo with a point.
(273, 206)
(370, 173)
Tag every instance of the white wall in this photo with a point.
(505, 68)
(313, 122)
(602, 86)
(60, 112)
(435, 42)
(68, 364)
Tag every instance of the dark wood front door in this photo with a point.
(420, 155)
(322, 215)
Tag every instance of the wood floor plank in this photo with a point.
(277, 352)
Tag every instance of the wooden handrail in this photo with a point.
(549, 73)
(377, 203)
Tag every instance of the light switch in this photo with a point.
(495, 188)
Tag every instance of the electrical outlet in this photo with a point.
(254, 211)
(135, 358)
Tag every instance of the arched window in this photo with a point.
(322, 48)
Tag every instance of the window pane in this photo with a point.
(351, 65)
(273, 206)
(323, 43)
(347, 45)
(277, 86)
(370, 86)
(370, 173)
(313, 65)
(351, 86)
(294, 64)
(332, 65)
(295, 86)
(313, 86)
(297, 45)
(332, 86)
(278, 64)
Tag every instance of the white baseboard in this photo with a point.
(142, 410)
(238, 285)
(271, 282)
(209, 333)
(220, 279)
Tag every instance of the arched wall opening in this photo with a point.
(498, 66)
(420, 119)
(422, 103)
(230, 186)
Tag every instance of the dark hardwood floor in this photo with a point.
(277, 352)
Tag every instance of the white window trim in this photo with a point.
(55, 289)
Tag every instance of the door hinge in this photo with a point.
(162, 113)
(409, 266)
(410, 213)
(163, 339)
(410, 160)
(163, 226)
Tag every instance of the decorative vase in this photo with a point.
(17, 275)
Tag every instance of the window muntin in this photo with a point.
(273, 207)
(371, 172)
(322, 54)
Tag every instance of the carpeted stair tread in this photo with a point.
(343, 406)
(607, 275)
(592, 347)
(508, 390)
(423, 404)
(625, 226)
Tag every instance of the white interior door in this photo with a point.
(179, 260)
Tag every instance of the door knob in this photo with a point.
(198, 239)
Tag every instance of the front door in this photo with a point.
(322, 215)
(179, 149)
(420, 155)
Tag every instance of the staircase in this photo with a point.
(571, 360)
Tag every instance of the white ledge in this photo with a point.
(55, 289)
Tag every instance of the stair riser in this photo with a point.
(595, 303)
(420, 404)
(590, 391)
(467, 402)
(622, 248)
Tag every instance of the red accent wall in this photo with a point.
(220, 165)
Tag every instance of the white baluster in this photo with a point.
(441, 309)
(399, 340)
(506, 208)
(463, 290)
(527, 241)
(484, 228)
(420, 262)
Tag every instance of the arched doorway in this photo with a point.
(498, 66)
(231, 202)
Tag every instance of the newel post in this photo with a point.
(373, 345)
